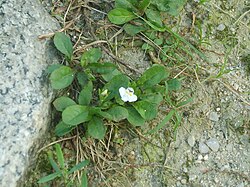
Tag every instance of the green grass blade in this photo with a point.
(185, 102)
(49, 178)
(84, 181)
(53, 163)
(202, 56)
(79, 166)
(163, 122)
(59, 155)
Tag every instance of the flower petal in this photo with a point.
(122, 91)
(132, 98)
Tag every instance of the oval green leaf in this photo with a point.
(96, 128)
(134, 118)
(152, 76)
(62, 77)
(63, 102)
(118, 113)
(120, 16)
(75, 114)
(63, 44)
(103, 68)
(62, 129)
(146, 109)
(90, 56)
(85, 95)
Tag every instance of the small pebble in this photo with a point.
(213, 144)
(241, 185)
(200, 157)
(185, 170)
(221, 27)
(191, 141)
(205, 157)
(216, 180)
(203, 148)
(183, 181)
(213, 116)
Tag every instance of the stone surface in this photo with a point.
(191, 141)
(213, 144)
(213, 116)
(24, 93)
(203, 148)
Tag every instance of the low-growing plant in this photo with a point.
(97, 92)
(147, 16)
(105, 94)
(62, 171)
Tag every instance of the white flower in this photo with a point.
(127, 95)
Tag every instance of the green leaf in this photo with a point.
(146, 46)
(185, 102)
(84, 181)
(62, 77)
(78, 166)
(175, 7)
(90, 56)
(53, 163)
(155, 98)
(172, 7)
(75, 114)
(103, 68)
(154, 17)
(134, 118)
(163, 122)
(82, 78)
(133, 29)
(146, 109)
(62, 128)
(152, 76)
(118, 113)
(115, 83)
(63, 44)
(85, 95)
(59, 155)
(153, 26)
(120, 16)
(107, 77)
(52, 68)
(143, 5)
(49, 178)
(96, 128)
(63, 102)
(126, 4)
(174, 84)
(98, 112)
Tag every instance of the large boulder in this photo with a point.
(24, 92)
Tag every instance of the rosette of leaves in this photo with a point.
(99, 101)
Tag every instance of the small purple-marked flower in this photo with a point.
(127, 95)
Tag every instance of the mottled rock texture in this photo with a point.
(24, 93)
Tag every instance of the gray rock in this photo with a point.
(24, 93)
(213, 144)
(191, 141)
(203, 148)
(213, 116)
